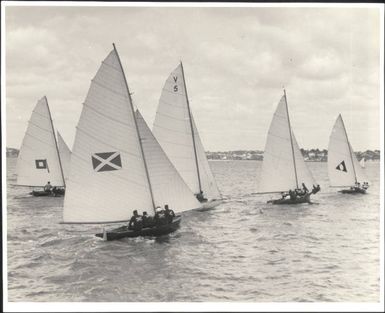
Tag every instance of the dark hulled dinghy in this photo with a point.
(124, 231)
(43, 193)
(343, 167)
(117, 166)
(39, 159)
(283, 166)
(174, 127)
(300, 199)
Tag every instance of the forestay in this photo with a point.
(172, 128)
(107, 178)
(343, 167)
(65, 155)
(283, 166)
(167, 185)
(38, 161)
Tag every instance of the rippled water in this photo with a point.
(244, 250)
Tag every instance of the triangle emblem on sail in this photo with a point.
(341, 167)
(106, 161)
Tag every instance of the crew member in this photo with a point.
(136, 221)
(169, 213)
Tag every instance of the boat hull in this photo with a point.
(208, 205)
(42, 193)
(304, 199)
(354, 191)
(124, 232)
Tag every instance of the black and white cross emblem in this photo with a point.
(106, 161)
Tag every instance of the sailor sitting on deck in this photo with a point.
(169, 213)
(292, 195)
(284, 195)
(48, 187)
(200, 197)
(148, 221)
(160, 217)
(136, 221)
(365, 185)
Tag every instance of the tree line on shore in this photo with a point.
(309, 155)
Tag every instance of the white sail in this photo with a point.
(172, 128)
(65, 155)
(280, 171)
(343, 167)
(38, 161)
(362, 162)
(167, 185)
(107, 177)
(209, 185)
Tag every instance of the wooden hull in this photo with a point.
(353, 191)
(124, 232)
(303, 199)
(42, 193)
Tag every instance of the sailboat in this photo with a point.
(65, 155)
(39, 160)
(117, 166)
(343, 167)
(175, 129)
(283, 166)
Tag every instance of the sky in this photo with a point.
(236, 60)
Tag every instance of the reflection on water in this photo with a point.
(244, 250)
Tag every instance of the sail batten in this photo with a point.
(283, 166)
(175, 130)
(38, 160)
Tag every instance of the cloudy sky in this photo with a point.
(236, 62)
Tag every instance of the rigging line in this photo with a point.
(137, 130)
(291, 140)
(350, 150)
(57, 148)
(192, 129)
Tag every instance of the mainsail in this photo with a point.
(39, 161)
(283, 166)
(176, 132)
(343, 167)
(108, 178)
(65, 155)
(167, 185)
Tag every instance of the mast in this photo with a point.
(291, 140)
(137, 131)
(192, 130)
(350, 150)
(57, 149)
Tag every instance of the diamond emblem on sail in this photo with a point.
(341, 167)
(106, 161)
(41, 164)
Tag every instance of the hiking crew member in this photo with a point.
(136, 221)
(148, 221)
(48, 187)
(160, 217)
(169, 213)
